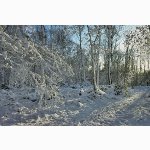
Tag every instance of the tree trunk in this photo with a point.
(93, 62)
(148, 61)
(98, 67)
(109, 71)
(82, 71)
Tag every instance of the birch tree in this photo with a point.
(94, 33)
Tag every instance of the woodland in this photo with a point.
(69, 75)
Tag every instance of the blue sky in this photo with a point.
(125, 29)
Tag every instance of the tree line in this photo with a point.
(101, 54)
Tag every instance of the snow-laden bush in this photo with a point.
(33, 65)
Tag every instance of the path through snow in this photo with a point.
(77, 109)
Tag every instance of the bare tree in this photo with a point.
(111, 32)
(94, 35)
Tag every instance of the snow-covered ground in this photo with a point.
(20, 107)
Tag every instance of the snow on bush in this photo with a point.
(25, 64)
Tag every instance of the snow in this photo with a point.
(24, 63)
(20, 107)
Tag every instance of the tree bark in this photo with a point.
(93, 61)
